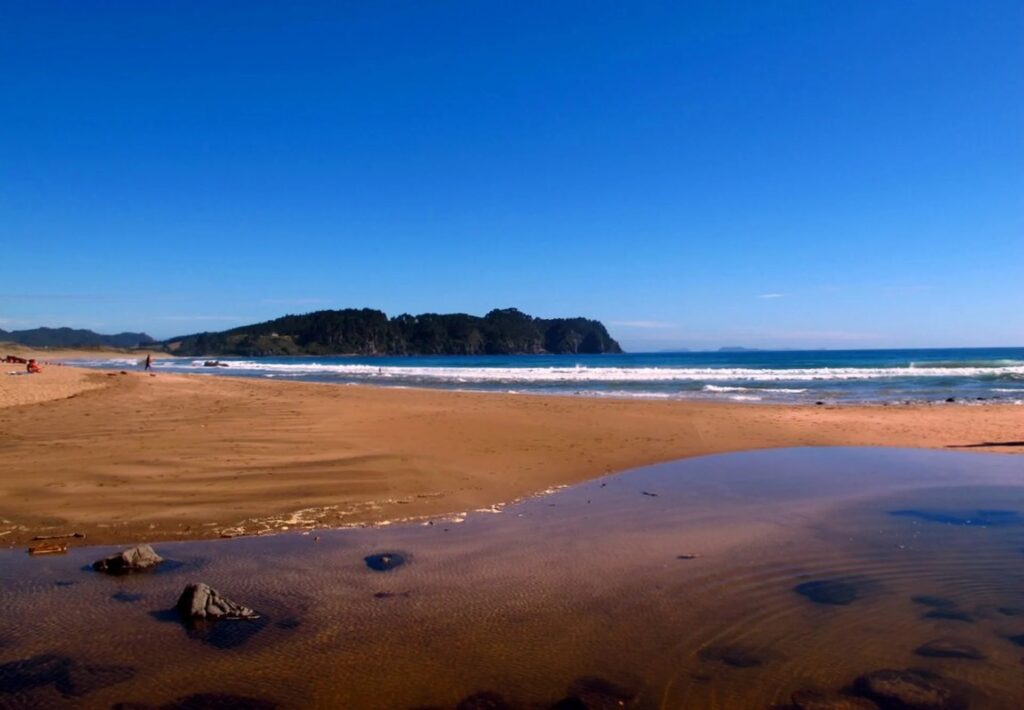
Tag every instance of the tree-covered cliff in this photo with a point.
(365, 331)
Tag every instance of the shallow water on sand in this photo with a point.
(728, 581)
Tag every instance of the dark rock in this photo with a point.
(950, 399)
(569, 704)
(70, 678)
(82, 679)
(484, 700)
(385, 561)
(28, 673)
(219, 701)
(821, 700)
(135, 559)
(838, 592)
(126, 597)
(1019, 639)
(950, 615)
(390, 595)
(937, 602)
(733, 656)
(595, 693)
(949, 648)
(1011, 611)
(906, 690)
(199, 601)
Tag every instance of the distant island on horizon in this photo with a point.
(366, 331)
(73, 338)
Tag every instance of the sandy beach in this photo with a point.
(129, 457)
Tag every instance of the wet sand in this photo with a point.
(696, 584)
(126, 458)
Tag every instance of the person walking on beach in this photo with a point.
(149, 363)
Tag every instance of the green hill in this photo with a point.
(73, 338)
(370, 332)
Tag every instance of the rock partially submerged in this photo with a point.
(69, 677)
(907, 689)
(596, 693)
(949, 648)
(385, 561)
(484, 700)
(198, 602)
(837, 592)
(822, 700)
(136, 559)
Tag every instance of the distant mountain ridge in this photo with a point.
(366, 331)
(73, 338)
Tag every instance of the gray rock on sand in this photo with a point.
(134, 559)
(199, 601)
(908, 689)
(823, 700)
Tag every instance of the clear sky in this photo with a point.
(792, 174)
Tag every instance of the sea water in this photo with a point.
(937, 375)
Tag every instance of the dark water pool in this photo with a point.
(728, 581)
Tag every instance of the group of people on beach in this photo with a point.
(31, 366)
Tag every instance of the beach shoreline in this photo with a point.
(128, 457)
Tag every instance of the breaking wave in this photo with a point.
(582, 374)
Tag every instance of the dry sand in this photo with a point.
(133, 457)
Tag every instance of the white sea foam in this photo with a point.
(581, 374)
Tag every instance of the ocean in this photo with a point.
(966, 375)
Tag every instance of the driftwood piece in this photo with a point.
(60, 537)
(50, 547)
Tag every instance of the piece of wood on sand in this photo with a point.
(50, 547)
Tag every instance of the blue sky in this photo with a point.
(790, 174)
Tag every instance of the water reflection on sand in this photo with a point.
(728, 581)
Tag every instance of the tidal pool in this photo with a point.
(732, 581)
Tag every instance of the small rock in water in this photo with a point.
(950, 615)
(821, 700)
(949, 648)
(126, 597)
(733, 656)
(135, 559)
(838, 592)
(908, 690)
(929, 600)
(593, 693)
(199, 601)
(204, 701)
(485, 700)
(385, 561)
(68, 677)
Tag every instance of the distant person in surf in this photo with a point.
(149, 363)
